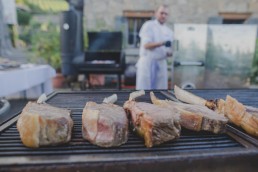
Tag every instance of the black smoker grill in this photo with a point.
(193, 151)
(104, 54)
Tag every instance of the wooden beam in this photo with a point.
(137, 14)
(235, 16)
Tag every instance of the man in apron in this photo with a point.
(155, 48)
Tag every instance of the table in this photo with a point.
(28, 81)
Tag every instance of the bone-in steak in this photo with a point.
(194, 117)
(155, 124)
(105, 124)
(243, 116)
(42, 124)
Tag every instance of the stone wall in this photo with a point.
(108, 14)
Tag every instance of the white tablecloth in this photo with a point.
(29, 81)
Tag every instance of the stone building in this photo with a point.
(128, 15)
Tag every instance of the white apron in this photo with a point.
(152, 65)
(151, 74)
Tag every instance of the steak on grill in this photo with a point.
(42, 124)
(243, 116)
(194, 117)
(187, 97)
(105, 124)
(155, 124)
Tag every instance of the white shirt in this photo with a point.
(153, 31)
(152, 64)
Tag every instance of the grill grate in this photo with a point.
(10, 144)
(193, 151)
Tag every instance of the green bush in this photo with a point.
(46, 6)
(46, 44)
(26, 32)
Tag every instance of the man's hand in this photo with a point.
(167, 44)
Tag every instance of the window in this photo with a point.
(233, 21)
(134, 26)
(234, 18)
(135, 20)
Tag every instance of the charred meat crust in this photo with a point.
(155, 124)
(43, 125)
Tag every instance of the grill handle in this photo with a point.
(186, 63)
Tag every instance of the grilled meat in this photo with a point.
(187, 97)
(42, 124)
(243, 116)
(155, 124)
(105, 125)
(194, 117)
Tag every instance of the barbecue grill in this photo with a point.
(193, 151)
(104, 54)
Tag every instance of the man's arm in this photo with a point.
(157, 44)
(153, 45)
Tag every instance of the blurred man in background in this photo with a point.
(155, 48)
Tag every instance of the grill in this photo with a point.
(233, 150)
